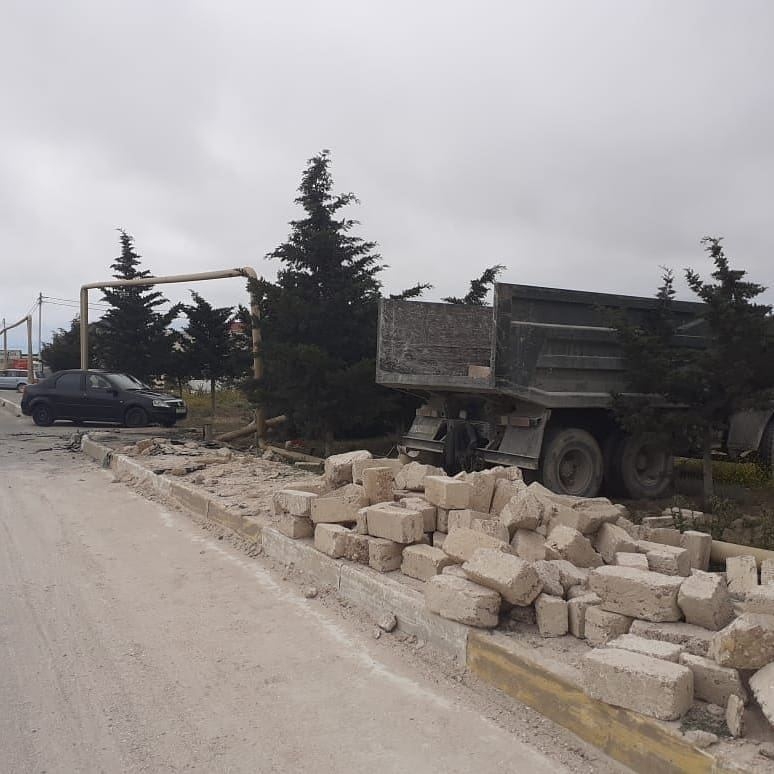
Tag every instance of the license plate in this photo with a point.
(180, 409)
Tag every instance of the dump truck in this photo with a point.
(529, 382)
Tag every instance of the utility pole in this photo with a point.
(30, 369)
(5, 346)
(40, 328)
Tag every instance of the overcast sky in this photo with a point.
(581, 144)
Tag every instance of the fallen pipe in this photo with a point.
(232, 435)
(721, 551)
(295, 456)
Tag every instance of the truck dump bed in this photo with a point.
(548, 346)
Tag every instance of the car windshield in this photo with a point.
(126, 382)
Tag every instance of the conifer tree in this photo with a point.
(476, 295)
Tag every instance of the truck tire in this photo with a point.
(642, 467)
(571, 463)
(766, 448)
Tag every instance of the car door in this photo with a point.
(68, 395)
(102, 403)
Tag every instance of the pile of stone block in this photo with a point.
(492, 550)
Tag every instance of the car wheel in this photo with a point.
(42, 415)
(136, 417)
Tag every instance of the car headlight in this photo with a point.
(160, 403)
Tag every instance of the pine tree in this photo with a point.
(319, 319)
(206, 342)
(64, 350)
(134, 336)
(689, 392)
(476, 295)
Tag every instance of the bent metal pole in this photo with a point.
(30, 369)
(245, 271)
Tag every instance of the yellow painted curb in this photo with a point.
(642, 743)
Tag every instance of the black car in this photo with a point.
(99, 396)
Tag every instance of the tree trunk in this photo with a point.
(706, 469)
(212, 396)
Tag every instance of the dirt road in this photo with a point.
(132, 640)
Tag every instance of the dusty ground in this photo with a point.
(134, 639)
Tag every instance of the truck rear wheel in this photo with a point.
(572, 462)
(642, 466)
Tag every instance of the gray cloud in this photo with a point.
(581, 144)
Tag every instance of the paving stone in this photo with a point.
(711, 682)
(695, 639)
(653, 648)
(741, 574)
(378, 484)
(463, 601)
(626, 559)
(602, 626)
(746, 643)
(611, 539)
(491, 527)
(462, 543)
(423, 562)
(429, 512)
(395, 523)
(331, 539)
(570, 544)
(550, 577)
(514, 579)
(551, 615)
(636, 593)
(359, 465)
(759, 600)
(294, 502)
(338, 467)
(698, 545)
(705, 601)
(576, 613)
(384, 555)
(735, 716)
(530, 545)
(295, 527)
(650, 686)
(447, 492)
(762, 687)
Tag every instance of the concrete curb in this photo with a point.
(642, 743)
(10, 406)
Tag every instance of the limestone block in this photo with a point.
(504, 491)
(576, 613)
(462, 543)
(522, 511)
(438, 539)
(491, 527)
(653, 648)
(395, 523)
(612, 539)
(294, 502)
(455, 570)
(741, 574)
(601, 509)
(695, 639)
(514, 579)
(666, 520)
(360, 465)
(767, 572)
(464, 518)
(668, 560)
(711, 682)
(442, 519)
(384, 555)
(735, 716)
(338, 467)
(633, 530)
(339, 507)
(762, 686)
(602, 626)
(529, 545)
(759, 600)
(378, 484)
(705, 601)
(463, 601)
(412, 476)
(482, 490)
(746, 643)
(550, 577)
(551, 615)
(698, 545)
(361, 521)
(576, 591)
(651, 686)
(429, 512)
(569, 544)
(295, 527)
(636, 593)
(357, 548)
(423, 562)
(663, 536)
(625, 559)
(447, 492)
(570, 575)
(584, 520)
(524, 615)
(331, 539)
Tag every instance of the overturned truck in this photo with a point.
(529, 382)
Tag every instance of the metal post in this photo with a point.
(30, 369)
(40, 328)
(84, 328)
(5, 346)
